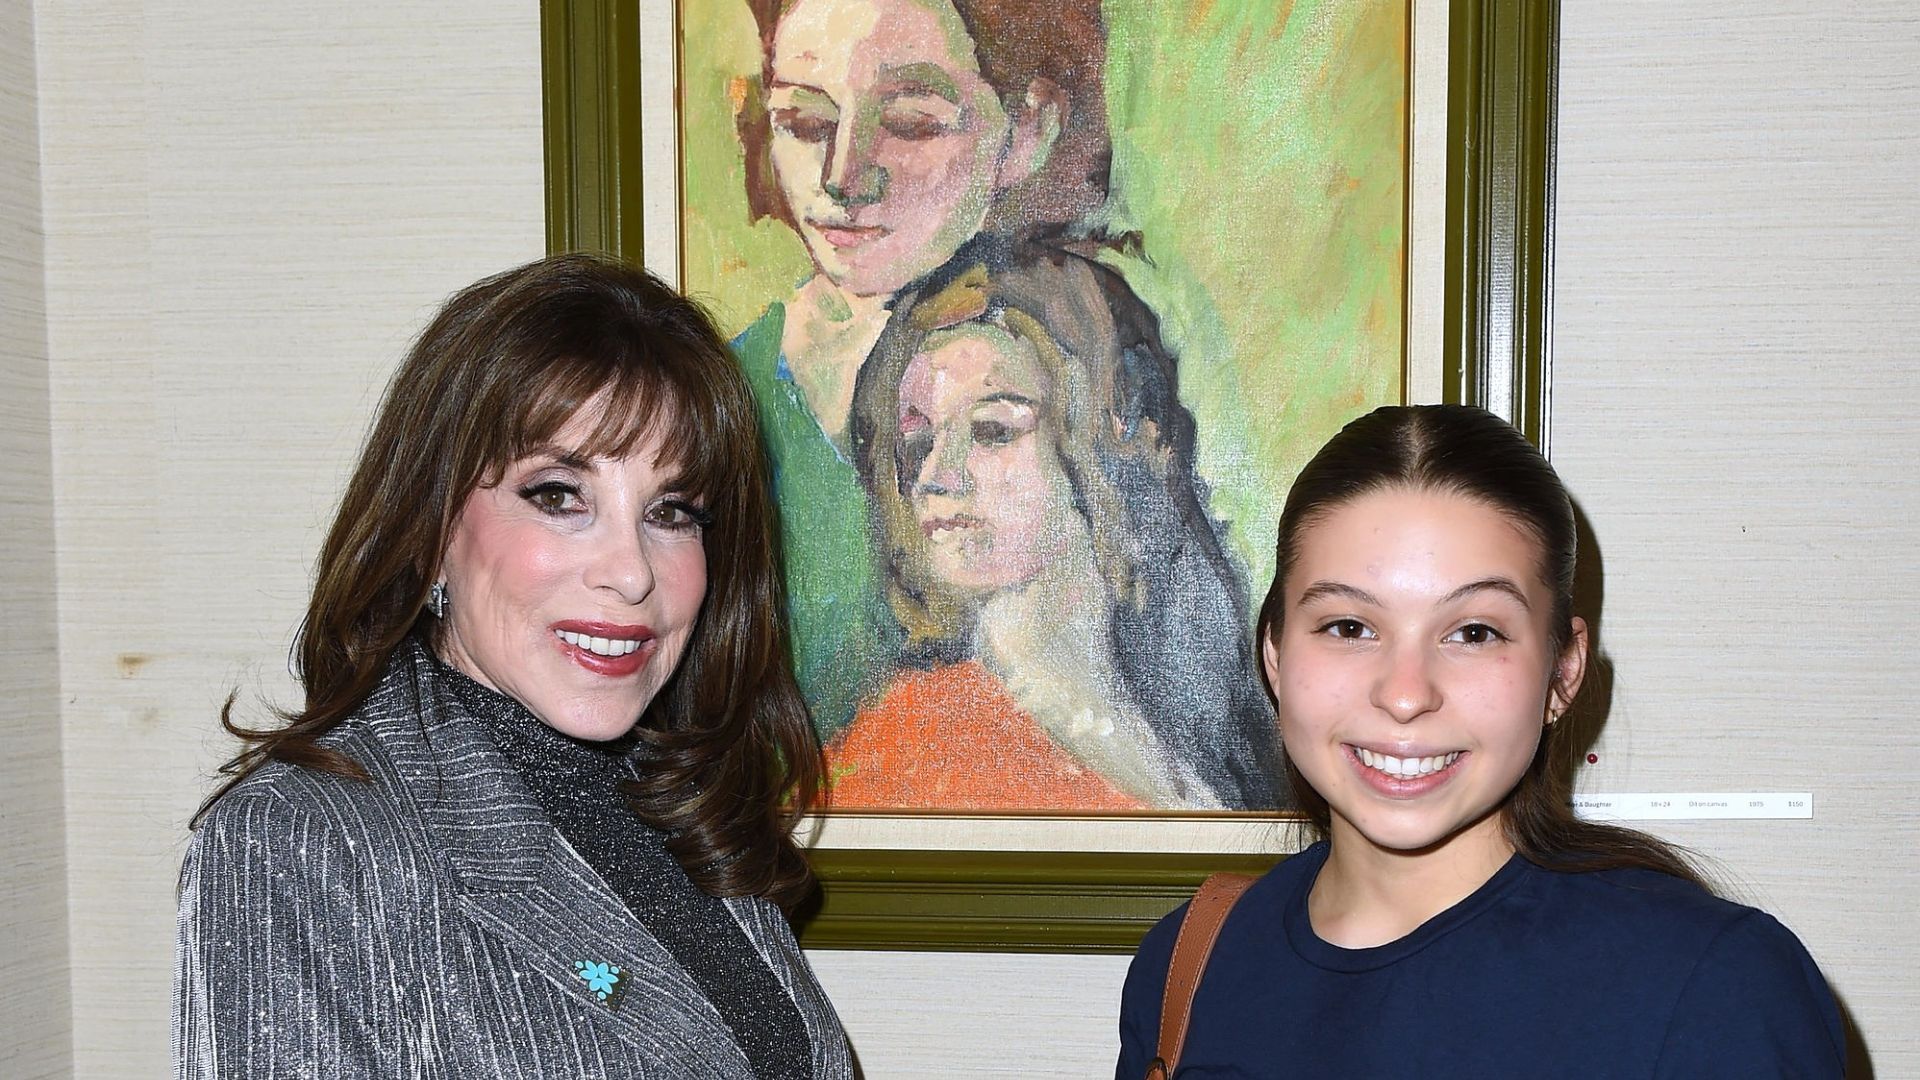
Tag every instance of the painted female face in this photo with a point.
(574, 585)
(1413, 666)
(886, 140)
(982, 474)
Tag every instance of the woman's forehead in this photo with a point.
(972, 361)
(1414, 543)
(597, 426)
(643, 427)
(821, 42)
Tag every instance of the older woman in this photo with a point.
(534, 815)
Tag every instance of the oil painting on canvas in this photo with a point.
(1044, 302)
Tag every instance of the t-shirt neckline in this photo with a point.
(1315, 950)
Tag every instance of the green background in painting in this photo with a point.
(1258, 147)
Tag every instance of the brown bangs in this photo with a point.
(638, 399)
(504, 368)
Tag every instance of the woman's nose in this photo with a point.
(621, 565)
(850, 176)
(1406, 688)
(944, 470)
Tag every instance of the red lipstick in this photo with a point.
(615, 650)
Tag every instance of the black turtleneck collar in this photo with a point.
(577, 784)
(535, 747)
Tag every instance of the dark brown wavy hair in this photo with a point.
(732, 757)
(1461, 450)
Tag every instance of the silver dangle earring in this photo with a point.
(437, 600)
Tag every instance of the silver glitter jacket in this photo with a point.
(434, 924)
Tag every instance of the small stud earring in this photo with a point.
(437, 600)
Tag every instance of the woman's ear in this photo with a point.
(1568, 670)
(1034, 133)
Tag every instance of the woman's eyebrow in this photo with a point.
(1323, 590)
(919, 78)
(1009, 397)
(560, 455)
(785, 84)
(1496, 584)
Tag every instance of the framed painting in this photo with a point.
(1044, 302)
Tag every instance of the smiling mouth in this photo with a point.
(949, 524)
(600, 646)
(1408, 768)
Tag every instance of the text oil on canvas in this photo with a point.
(1044, 303)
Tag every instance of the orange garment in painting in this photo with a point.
(953, 739)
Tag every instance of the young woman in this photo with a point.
(1073, 630)
(1456, 919)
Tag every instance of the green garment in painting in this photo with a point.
(833, 593)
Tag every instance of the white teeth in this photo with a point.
(1405, 768)
(598, 646)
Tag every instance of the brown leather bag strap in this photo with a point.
(1198, 931)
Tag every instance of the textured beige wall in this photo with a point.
(1736, 371)
(34, 1011)
(250, 208)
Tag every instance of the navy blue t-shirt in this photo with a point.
(1614, 973)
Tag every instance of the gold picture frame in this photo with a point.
(1083, 883)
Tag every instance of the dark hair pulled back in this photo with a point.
(1469, 452)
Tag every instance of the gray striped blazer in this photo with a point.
(433, 924)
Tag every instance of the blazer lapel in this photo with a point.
(520, 883)
(569, 928)
(766, 926)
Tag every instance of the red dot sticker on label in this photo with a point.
(1593, 759)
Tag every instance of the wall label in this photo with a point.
(1693, 805)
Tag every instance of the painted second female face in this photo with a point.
(574, 585)
(887, 142)
(977, 462)
(1414, 668)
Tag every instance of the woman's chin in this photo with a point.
(858, 272)
(981, 578)
(592, 718)
(594, 728)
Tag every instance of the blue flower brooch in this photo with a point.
(602, 979)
